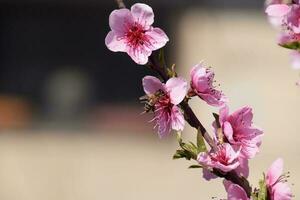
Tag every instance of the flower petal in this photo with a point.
(207, 175)
(119, 20)
(274, 172)
(235, 192)
(157, 38)
(295, 58)
(228, 131)
(177, 89)
(282, 191)
(152, 84)
(139, 55)
(177, 119)
(113, 43)
(143, 14)
(223, 114)
(243, 169)
(277, 10)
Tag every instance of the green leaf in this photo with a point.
(292, 45)
(200, 143)
(195, 166)
(178, 137)
(161, 57)
(263, 190)
(191, 148)
(183, 154)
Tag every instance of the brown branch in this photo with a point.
(120, 4)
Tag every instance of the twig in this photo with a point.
(120, 3)
(192, 119)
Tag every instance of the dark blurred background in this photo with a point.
(53, 61)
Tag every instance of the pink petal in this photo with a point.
(143, 14)
(228, 131)
(281, 191)
(139, 55)
(274, 172)
(177, 89)
(204, 159)
(119, 20)
(157, 37)
(277, 10)
(152, 84)
(177, 119)
(217, 99)
(163, 122)
(295, 58)
(114, 44)
(249, 149)
(243, 169)
(199, 78)
(235, 192)
(226, 168)
(242, 117)
(223, 114)
(207, 175)
(227, 184)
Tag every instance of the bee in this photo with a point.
(150, 100)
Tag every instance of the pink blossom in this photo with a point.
(239, 131)
(277, 10)
(295, 58)
(288, 14)
(132, 32)
(293, 18)
(278, 189)
(165, 98)
(224, 158)
(202, 84)
(234, 191)
(287, 38)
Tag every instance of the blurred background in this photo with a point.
(70, 123)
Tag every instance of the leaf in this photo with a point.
(195, 166)
(216, 116)
(200, 143)
(179, 154)
(183, 154)
(263, 191)
(292, 45)
(161, 58)
(178, 137)
(191, 148)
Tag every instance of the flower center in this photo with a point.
(135, 36)
(220, 156)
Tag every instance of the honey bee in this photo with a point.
(150, 100)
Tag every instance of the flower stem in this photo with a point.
(192, 119)
(120, 4)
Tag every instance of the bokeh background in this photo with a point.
(70, 123)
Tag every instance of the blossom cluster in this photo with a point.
(285, 16)
(236, 139)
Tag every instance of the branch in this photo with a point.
(120, 4)
(192, 119)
